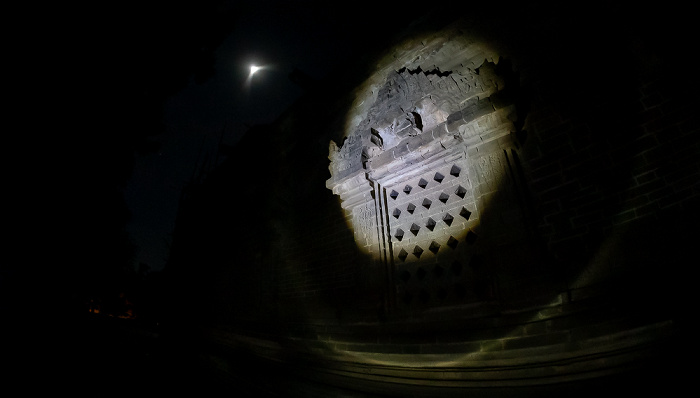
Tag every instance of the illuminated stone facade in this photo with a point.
(419, 170)
(521, 220)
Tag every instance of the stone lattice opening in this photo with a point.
(438, 177)
(460, 290)
(443, 197)
(454, 171)
(461, 191)
(447, 218)
(399, 234)
(407, 189)
(452, 242)
(475, 262)
(417, 251)
(411, 208)
(456, 268)
(424, 296)
(427, 202)
(415, 228)
(430, 224)
(465, 213)
(393, 194)
(471, 237)
(434, 247)
(396, 213)
(422, 183)
(403, 254)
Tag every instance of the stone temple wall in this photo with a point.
(435, 151)
(506, 199)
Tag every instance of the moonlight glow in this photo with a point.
(253, 69)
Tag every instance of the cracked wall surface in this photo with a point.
(432, 144)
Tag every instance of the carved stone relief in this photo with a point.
(411, 149)
(364, 218)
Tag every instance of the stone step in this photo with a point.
(577, 350)
(536, 322)
(589, 337)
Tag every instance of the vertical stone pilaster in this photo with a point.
(418, 174)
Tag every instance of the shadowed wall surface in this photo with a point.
(508, 205)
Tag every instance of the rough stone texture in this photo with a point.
(435, 151)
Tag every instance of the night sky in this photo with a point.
(122, 102)
(315, 38)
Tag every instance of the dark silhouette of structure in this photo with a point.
(516, 199)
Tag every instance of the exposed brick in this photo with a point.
(549, 207)
(669, 134)
(690, 125)
(653, 100)
(547, 183)
(569, 247)
(565, 189)
(649, 115)
(682, 178)
(635, 202)
(674, 198)
(545, 230)
(646, 210)
(642, 144)
(645, 177)
(541, 125)
(586, 219)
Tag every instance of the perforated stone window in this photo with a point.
(438, 177)
(424, 296)
(430, 224)
(434, 247)
(412, 173)
(407, 298)
(456, 268)
(403, 254)
(415, 228)
(461, 192)
(447, 218)
(452, 242)
(417, 251)
(471, 237)
(460, 290)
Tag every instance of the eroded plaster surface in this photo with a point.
(427, 143)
